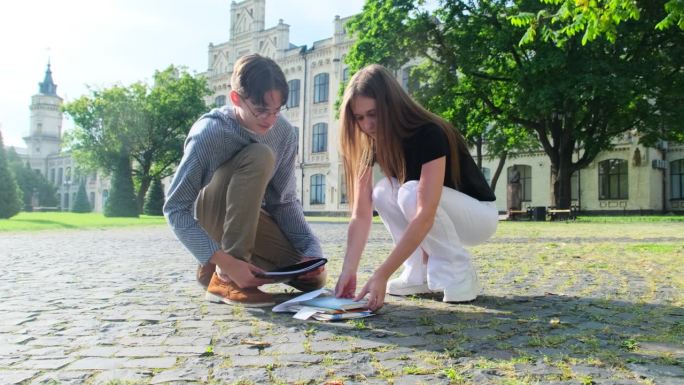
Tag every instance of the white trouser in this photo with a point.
(460, 221)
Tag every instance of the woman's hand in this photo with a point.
(375, 288)
(346, 285)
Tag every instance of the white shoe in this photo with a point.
(465, 291)
(398, 286)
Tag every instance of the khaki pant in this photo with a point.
(229, 209)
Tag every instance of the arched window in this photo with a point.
(345, 74)
(677, 179)
(319, 142)
(317, 189)
(525, 178)
(613, 181)
(293, 97)
(487, 174)
(321, 88)
(220, 101)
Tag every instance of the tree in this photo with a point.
(10, 201)
(570, 98)
(563, 19)
(149, 122)
(81, 203)
(154, 201)
(31, 182)
(121, 201)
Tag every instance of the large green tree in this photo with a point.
(10, 194)
(146, 121)
(560, 20)
(81, 203)
(571, 98)
(31, 182)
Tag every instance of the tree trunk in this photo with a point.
(561, 174)
(499, 168)
(144, 186)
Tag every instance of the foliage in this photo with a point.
(148, 122)
(572, 99)
(10, 201)
(31, 182)
(154, 201)
(81, 203)
(560, 20)
(121, 201)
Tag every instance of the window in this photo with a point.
(293, 97)
(677, 179)
(525, 174)
(317, 189)
(67, 175)
(574, 186)
(52, 176)
(345, 75)
(407, 81)
(105, 196)
(613, 179)
(92, 199)
(220, 101)
(487, 174)
(343, 189)
(319, 141)
(60, 173)
(321, 88)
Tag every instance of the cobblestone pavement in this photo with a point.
(121, 307)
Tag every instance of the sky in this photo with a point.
(105, 42)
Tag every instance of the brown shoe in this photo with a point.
(230, 293)
(204, 274)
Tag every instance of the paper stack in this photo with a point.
(322, 305)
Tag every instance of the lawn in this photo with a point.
(64, 220)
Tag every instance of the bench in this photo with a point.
(555, 214)
(45, 209)
(517, 214)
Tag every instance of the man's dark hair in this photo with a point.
(254, 75)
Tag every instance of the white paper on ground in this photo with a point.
(285, 306)
(305, 313)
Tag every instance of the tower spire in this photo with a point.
(48, 87)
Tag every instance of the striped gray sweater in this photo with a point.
(215, 138)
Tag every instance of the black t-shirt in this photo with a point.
(430, 143)
(427, 144)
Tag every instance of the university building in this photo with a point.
(629, 179)
(43, 151)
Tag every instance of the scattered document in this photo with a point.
(322, 305)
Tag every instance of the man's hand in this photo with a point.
(239, 271)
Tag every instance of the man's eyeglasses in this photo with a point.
(260, 112)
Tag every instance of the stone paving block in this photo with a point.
(49, 364)
(293, 374)
(414, 379)
(288, 348)
(6, 338)
(141, 351)
(654, 371)
(97, 363)
(298, 359)
(151, 363)
(240, 350)
(7, 350)
(232, 375)
(142, 341)
(122, 375)
(262, 361)
(185, 350)
(14, 377)
(62, 378)
(97, 351)
(194, 341)
(196, 324)
(329, 346)
(181, 374)
(50, 341)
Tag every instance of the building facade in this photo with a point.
(629, 179)
(43, 151)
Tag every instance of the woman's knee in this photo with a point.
(407, 198)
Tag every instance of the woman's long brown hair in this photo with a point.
(397, 117)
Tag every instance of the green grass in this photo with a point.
(72, 221)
